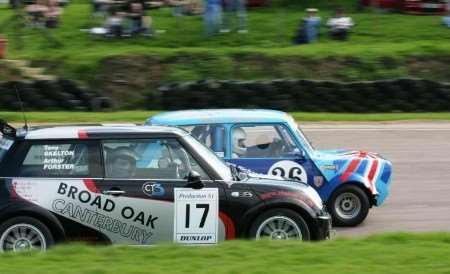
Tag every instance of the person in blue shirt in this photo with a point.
(308, 31)
(212, 16)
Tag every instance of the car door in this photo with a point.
(269, 149)
(141, 176)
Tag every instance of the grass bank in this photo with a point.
(391, 253)
(141, 116)
(381, 46)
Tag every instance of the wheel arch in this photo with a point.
(297, 207)
(48, 219)
(359, 185)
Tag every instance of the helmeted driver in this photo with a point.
(239, 137)
(122, 162)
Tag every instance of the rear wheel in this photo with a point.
(24, 234)
(349, 206)
(280, 224)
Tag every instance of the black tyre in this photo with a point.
(24, 234)
(349, 206)
(280, 224)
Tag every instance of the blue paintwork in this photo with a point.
(326, 169)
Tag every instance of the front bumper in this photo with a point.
(324, 227)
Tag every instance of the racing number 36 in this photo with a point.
(196, 215)
(205, 208)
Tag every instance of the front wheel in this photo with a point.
(280, 224)
(349, 206)
(24, 234)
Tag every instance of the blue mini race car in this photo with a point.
(270, 142)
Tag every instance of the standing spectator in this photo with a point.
(100, 7)
(212, 16)
(340, 25)
(233, 9)
(308, 30)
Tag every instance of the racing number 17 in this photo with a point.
(205, 208)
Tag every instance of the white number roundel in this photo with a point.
(289, 169)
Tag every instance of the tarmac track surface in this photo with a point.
(420, 153)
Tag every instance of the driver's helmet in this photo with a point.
(122, 162)
(239, 136)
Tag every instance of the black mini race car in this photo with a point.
(139, 185)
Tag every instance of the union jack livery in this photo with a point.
(270, 142)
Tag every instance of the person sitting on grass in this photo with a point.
(52, 14)
(36, 13)
(114, 24)
(340, 25)
(139, 22)
(308, 30)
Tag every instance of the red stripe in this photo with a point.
(230, 231)
(90, 185)
(351, 167)
(13, 193)
(373, 170)
(82, 134)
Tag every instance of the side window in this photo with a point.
(262, 141)
(212, 136)
(56, 160)
(148, 159)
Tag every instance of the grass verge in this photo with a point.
(141, 116)
(389, 253)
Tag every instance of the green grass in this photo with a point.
(391, 253)
(141, 116)
(270, 33)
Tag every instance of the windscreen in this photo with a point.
(5, 144)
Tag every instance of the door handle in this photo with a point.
(114, 192)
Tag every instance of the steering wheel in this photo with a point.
(277, 147)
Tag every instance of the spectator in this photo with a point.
(340, 25)
(52, 14)
(100, 7)
(308, 30)
(139, 22)
(36, 13)
(186, 7)
(446, 19)
(235, 8)
(212, 16)
(114, 24)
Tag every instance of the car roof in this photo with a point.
(99, 132)
(219, 116)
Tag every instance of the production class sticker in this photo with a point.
(196, 216)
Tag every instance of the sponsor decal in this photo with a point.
(196, 216)
(153, 189)
(5, 143)
(318, 181)
(122, 219)
(329, 167)
(290, 170)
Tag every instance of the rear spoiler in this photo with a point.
(7, 130)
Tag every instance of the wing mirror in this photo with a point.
(194, 180)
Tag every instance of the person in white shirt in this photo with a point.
(340, 25)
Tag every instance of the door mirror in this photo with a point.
(194, 180)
